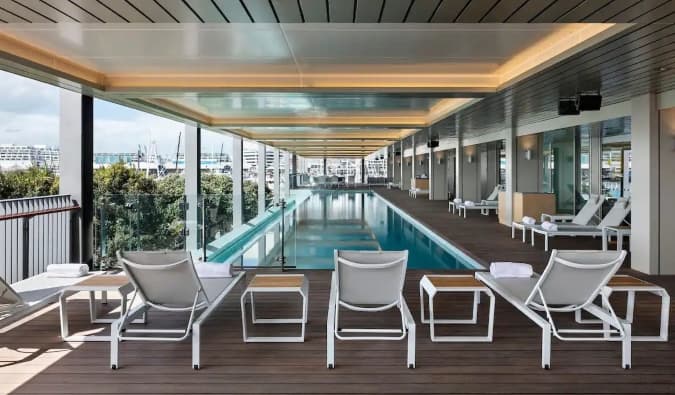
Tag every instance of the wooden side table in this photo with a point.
(275, 283)
(103, 283)
(434, 284)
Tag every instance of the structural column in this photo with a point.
(413, 167)
(262, 179)
(431, 172)
(511, 148)
(193, 185)
(237, 181)
(644, 243)
(402, 157)
(76, 145)
(277, 178)
(459, 160)
(363, 171)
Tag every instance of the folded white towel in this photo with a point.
(469, 203)
(68, 270)
(457, 201)
(529, 220)
(213, 270)
(550, 226)
(510, 269)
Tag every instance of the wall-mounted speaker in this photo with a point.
(432, 144)
(568, 106)
(589, 101)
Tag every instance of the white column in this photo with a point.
(277, 178)
(644, 242)
(459, 160)
(511, 148)
(76, 145)
(401, 167)
(193, 147)
(430, 172)
(237, 181)
(413, 171)
(262, 171)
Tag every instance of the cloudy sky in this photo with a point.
(29, 115)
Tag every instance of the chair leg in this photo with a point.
(546, 347)
(114, 344)
(411, 346)
(196, 331)
(626, 347)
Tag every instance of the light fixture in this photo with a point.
(528, 154)
(469, 158)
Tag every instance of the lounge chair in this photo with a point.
(167, 281)
(583, 217)
(614, 217)
(485, 205)
(570, 283)
(369, 281)
(27, 296)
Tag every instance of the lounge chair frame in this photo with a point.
(334, 330)
(535, 304)
(200, 310)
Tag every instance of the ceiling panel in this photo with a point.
(449, 10)
(341, 11)
(180, 11)
(315, 11)
(124, 9)
(73, 11)
(49, 11)
(9, 17)
(100, 11)
(287, 11)
(206, 10)
(394, 11)
(422, 11)
(608, 11)
(152, 10)
(368, 11)
(556, 10)
(502, 10)
(641, 8)
(530, 10)
(476, 10)
(584, 10)
(260, 11)
(234, 10)
(23, 12)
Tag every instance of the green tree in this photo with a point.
(35, 181)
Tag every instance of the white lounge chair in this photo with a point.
(369, 281)
(485, 205)
(614, 217)
(168, 281)
(583, 217)
(27, 296)
(570, 283)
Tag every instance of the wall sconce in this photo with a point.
(528, 154)
(440, 160)
(421, 162)
(469, 158)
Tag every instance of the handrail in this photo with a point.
(39, 212)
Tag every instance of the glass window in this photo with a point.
(559, 168)
(616, 157)
(583, 165)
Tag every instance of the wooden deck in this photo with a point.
(34, 360)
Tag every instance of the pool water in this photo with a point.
(345, 220)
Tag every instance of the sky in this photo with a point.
(29, 115)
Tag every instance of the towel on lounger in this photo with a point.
(213, 270)
(457, 201)
(67, 270)
(510, 269)
(550, 226)
(529, 220)
(469, 203)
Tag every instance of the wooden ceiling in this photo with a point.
(322, 11)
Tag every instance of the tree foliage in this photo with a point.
(35, 181)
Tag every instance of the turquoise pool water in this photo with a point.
(330, 220)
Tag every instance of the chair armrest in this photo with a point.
(557, 217)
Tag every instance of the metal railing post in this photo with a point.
(25, 250)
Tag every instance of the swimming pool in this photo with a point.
(354, 220)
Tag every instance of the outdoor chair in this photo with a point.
(368, 282)
(570, 283)
(615, 217)
(168, 281)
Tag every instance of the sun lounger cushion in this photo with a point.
(67, 270)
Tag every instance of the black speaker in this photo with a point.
(432, 144)
(589, 101)
(568, 106)
(397, 153)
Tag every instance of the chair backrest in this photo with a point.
(8, 297)
(585, 215)
(163, 278)
(573, 279)
(370, 277)
(617, 214)
(494, 194)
